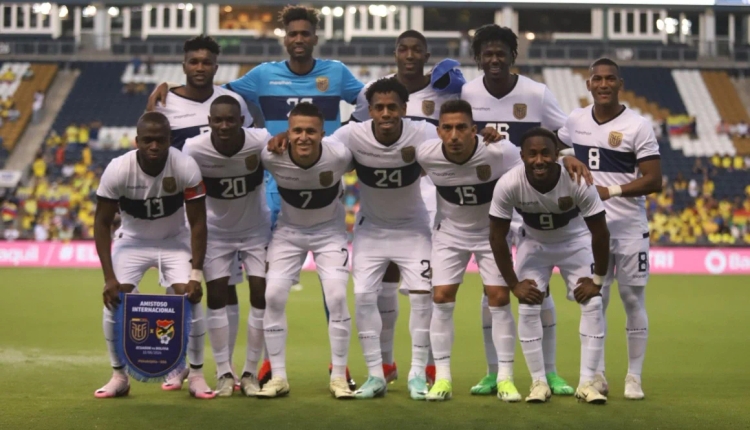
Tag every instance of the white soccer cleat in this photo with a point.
(276, 387)
(589, 394)
(340, 388)
(249, 385)
(225, 385)
(540, 392)
(198, 386)
(633, 390)
(118, 386)
(175, 379)
(600, 384)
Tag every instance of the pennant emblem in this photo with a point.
(565, 203)
(139, 329)
(519, 111)
(428, 107)
(321, 83)
(169, 184)
(326, 178)
(484, 172)
(165, 331)
(251, 162)
(615, 139)
(408, 154)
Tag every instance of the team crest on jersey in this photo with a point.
(484, 172)
(251, 162)
(519, 111)
(169, 184)
(615, 139)
(408, 154)
(326, 178)
(565, 203)
(321, 83)
(165, 331)
(428, 107)
(139, 329)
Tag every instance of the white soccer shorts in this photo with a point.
(429, 196)
(535, 260)
(223, 256)
(451, 254)
(289, 247)
(132, 257)
(237, 276)
(374, 248)
(628, 262)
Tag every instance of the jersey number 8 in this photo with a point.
(594, 158)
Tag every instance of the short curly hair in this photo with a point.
(201, 42)
(387, 85)
(299, 13)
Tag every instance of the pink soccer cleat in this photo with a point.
(175, 379)
(199, 388)
(118, 386)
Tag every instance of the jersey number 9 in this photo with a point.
(545, 220)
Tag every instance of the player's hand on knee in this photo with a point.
(194, 292)
(111, 294)
(159, 95)
(586, 290)
(278, 143)
(577, 170)
(528, 293)
(490, 135)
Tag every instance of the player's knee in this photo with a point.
(366, 299)
(443, 295)
(275, 300)
(232, 295)
(529, 311)
(594, 305)
(392, 273)
(632, 297)
(497, 296)
(216, 293)
(257, 292)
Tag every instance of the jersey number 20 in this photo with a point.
(233, 187)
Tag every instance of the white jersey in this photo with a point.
(529, 104)
(390, 195)
(311, 197)
(189, 118)
(422, 105)
(552, 217)
(612, 151)
(465, 190)
(236, 202)
(152, 207)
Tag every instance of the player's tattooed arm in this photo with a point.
(648, 183)
(525, 290)
(103, 219)
(588, 287)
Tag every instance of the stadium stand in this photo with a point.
(27, 79)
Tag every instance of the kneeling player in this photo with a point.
(154, 186)
(308, 177)
(553, 208)
(238, 222)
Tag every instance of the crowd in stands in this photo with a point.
(734, 130)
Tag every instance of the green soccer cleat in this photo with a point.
(487, 386)
(507, 391)
(373, 387)
(558, 385)
(417, 388)
(441, 390)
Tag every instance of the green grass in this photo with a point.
(52, 358)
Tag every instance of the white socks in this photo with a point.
(218, 334)
(530, 334)
(196, 343)
(255, 340)
(388, 307)
(419, 328)
(591, 331)
(275, 325)
(441, 338)
(636, 327)
(233, 316)
(605, 303)
(339, 324)
(108, 324)
(549, 341)
(369, 326)
(489, 347)
(504, 339)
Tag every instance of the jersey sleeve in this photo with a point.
(245, 112)
(564, 134)
(430, 131)
(588, 199)
(646, 146)
(511, 156)
(267, 158)
(194, 187)
(553, 117)
(342, 135)
(361, 111)
(260, 137)
(109, 187)
(247, 86)
(350, 86)
(502, 201)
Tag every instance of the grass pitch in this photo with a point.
(53, 357)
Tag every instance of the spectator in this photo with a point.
(37, 106)
(136, 65)
(39, 167)
(86, 155)
(68, 170)
(708, 186)
(693, 128)
(726, 163)
(94, 129)
(680, 184)
(125, 142)
(741, 129)
(693, 188)
(723, 128)
(107, 142)
(11, 233)
(149, 65)
(41, 231)
(83, 134)
(698, 167)
(71, 134)
(53, 139)
(13, 114)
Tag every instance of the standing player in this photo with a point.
(153, 187)
(621, 150)
(238, 224)
(512, 104)
(553, 208)
(311, 220)
(187, 109)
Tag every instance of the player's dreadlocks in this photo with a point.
(387, 85)
(201, 42)
(493, 33)
(299, 13)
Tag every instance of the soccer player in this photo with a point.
(311, 220)
(187, 109)
(512, 104)
(620, 148)
(153, 187)
(238, 224)
(558, 215)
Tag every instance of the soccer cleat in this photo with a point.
(175, 379)
(264, 374)
(441, 390)
(276, 387)
(373, 387)
(540, 392)
(558, 385)
(588, 393)
(118, 386)
(600, 384)
(339, 387)
(417, 388)
(225, 385)
(633, 390)
(349, 380)
(249, 385)
(487, 386)
(430, 374)
(198, 386)
(391, 372)
(507, 391)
